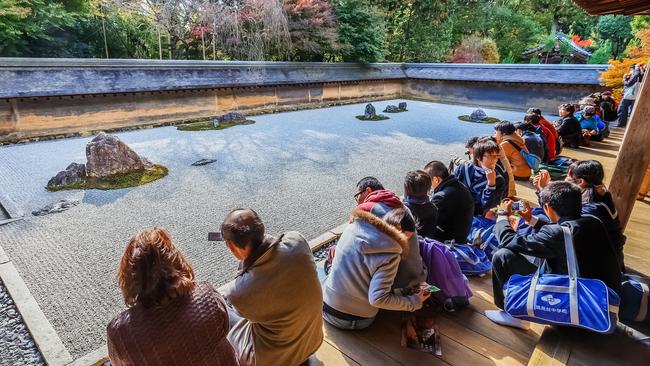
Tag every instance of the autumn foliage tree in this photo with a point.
(312, 28)
(474, 49)
(613, 77)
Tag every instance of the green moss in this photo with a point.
(207, 125)
(378, 117)
(118, 181)
(399, 110)
(467, 118)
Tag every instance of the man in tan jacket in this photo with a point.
(276, 293)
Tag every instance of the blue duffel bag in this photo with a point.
(471, 260)
(634, 298)
(563, 299)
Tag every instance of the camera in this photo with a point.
(518, 206)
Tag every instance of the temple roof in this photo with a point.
(564, 39)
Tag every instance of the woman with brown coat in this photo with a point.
(170, 319)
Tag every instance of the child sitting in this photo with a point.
(417, 185)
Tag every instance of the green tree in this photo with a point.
(602, 55)
(617, 30)
(361, 31)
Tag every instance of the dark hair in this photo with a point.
(525, 126)
(535, 119)
(534, 111)
(505, 127)
(484, 146)
(401, 216)
(568, 107)
(589, 110)
(153, 270)
(417, 184)
(243, 230)
(371, 182)
(470, 143)
(436, 169)
(590, 170)
(564, 197)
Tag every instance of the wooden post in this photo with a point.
(633, 156)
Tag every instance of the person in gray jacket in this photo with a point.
(368, 254)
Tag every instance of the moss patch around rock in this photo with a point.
(117, 181)
(207, 125)
(467, 118)
(378, 117)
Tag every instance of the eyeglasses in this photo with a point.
(356, 195)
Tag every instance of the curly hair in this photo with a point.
(153, 270)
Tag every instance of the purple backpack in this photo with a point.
(444, 272)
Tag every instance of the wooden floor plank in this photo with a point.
(552, 349)
(328, 355)
(355, 347)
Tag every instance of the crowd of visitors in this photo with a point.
(272, 312)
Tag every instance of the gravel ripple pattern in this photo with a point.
(297, 169)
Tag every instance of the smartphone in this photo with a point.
(431, 289)
(215, 236)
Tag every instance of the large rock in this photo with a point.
(74, 173)
(228, 118)
(478, 115)
(107, 156)
(402, 106)
(370, 112)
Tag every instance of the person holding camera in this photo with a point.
(273, 326)
(521, 254)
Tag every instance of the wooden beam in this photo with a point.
(633, 157)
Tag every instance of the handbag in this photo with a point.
(634, 298)
(532, 160)
(560, 299)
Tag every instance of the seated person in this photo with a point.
(596, 200)
(534, 143)
(372, 197)
(589, 123)
(480, 177)
(569, 127)
(454, 202)
(516, 254)
(165, 304)
(360, 282)
(537, 128)
(503, 167)
(417, 185)
(511, 144)
(609, 107)
(276, 293)
(547, 128)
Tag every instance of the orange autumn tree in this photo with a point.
(613, 77)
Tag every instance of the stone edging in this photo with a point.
(45, 337)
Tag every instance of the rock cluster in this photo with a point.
(106, 156)
(16, 344)
(391, 109)
(478, 115)
(228, 118)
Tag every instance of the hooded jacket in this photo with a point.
(520, 167)
(368, 254)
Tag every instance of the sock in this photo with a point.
(503, 318)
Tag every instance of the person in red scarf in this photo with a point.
(549, 131)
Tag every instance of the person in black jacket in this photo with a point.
(454, 202)
(416, 197)
(519, 254)
(569, 127)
